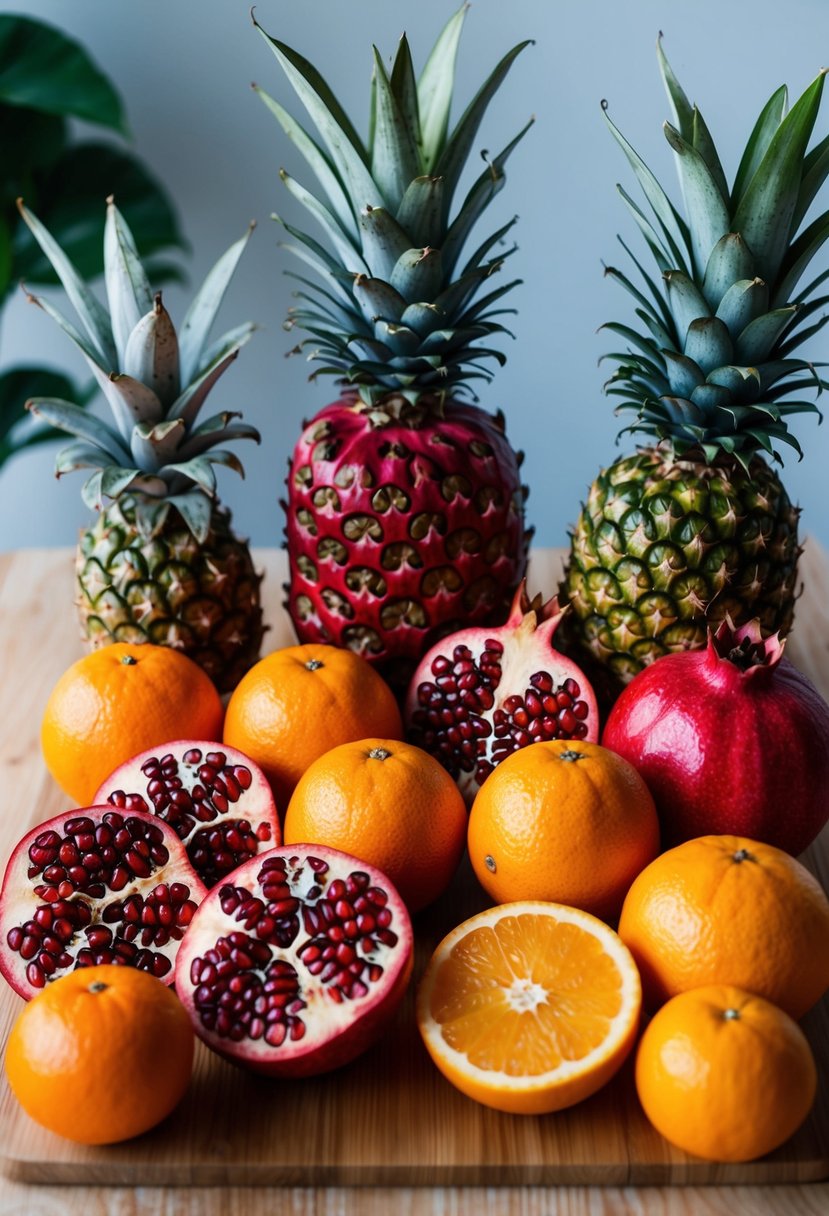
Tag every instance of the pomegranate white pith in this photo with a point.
(95, 886)
(216, 799)
(295, 963)
(481, 694)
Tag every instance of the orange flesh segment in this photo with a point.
(523, 995)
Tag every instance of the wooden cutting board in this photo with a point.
(389, 1119)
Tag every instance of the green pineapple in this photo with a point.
(161, 563)
(697, 524)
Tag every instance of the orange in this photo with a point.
(567, 821)
(727, 910)
(104, 1053)
(724, 1074)
(118, 701)
(529, 1007)
(388, 803)
(299, 702)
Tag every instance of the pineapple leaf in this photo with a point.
(201, 314)
(708, 343)
(744, 300)
(421, 210)
(658, 296)
(730, 260)
(686, 300)
(611, 272)
(378, 299)
(78, 455)
(348, 253)
(764, 214)
(639, 341)
(404, 87)
(417, 275)
(483, 249)
(90, 311)
(152, 445)
(77, 421)
(759, 336)
(654, 242)
(798, 257)
(708, 217)
(191, 400)
(199, 470)
(115, 481)
(201, 441)
(395, 157)
(456, 152)
(770, 118)
(195, 509)
(87, 350)
(332, 122)
(318, 161)
(480, 195)
(139, 402)
(384, 241)
(815, 172)
(434, 90)
(684, 374)
(690, 122)
(128, 290)
(228, 459)
(785, 348)
(671, 223)
(150, 515)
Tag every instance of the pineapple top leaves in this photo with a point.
(154, 380)
(397, 314)
(712, 367)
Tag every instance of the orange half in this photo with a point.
(530, 1007)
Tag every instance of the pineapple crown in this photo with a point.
(399, 315)
(713, 368)
(154, 380)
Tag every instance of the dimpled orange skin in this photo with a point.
(725, 909)
(724, 1074)
(572, 831)
(118, 701)
(100, 1055)
(284, 714)
(390, 804)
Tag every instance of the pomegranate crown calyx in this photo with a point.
(537, 608)
(744, 646)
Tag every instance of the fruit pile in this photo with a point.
(249, 872)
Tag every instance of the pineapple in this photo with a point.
(697, 523)
(161, 563)
(405, 511)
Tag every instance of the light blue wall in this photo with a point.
(184, 68)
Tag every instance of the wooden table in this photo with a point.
(38, 639)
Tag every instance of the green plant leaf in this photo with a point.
(434, 89)
(18, 429)
(42, 69)
(70, 202)
(769, 120)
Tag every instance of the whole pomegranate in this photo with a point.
(297, 961)
(730, 740)
(481, 694)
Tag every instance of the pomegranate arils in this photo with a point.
(61, 908)
(289, 939)
(199, 791)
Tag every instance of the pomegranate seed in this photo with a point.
(35, 976)
(567, 721)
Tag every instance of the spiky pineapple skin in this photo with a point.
(200, 598)
(402, 528)
(665, 547)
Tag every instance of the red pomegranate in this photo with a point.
(95, 886)
(731, 740)
(295, 964)
(218, 802)
(481, 694)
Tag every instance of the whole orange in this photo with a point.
(724, 1074)
(565, 821)
(299, 702)
(118, 701)
(728, 910)
(100, 1055)
(388, 803)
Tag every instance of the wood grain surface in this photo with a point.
(388, 1120)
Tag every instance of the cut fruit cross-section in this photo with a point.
(530, 1007)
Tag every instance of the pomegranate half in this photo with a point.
(95, 886)
(294, 964)
(217, 801)
(481, 694)
(731, 740)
